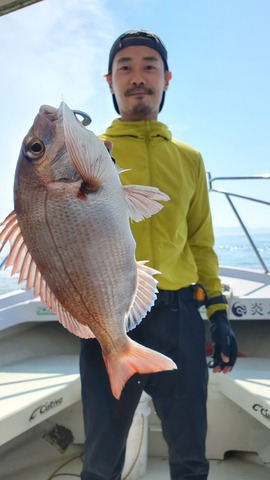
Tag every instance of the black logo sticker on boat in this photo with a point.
(45, 407)
(239, 309)
(263, 411)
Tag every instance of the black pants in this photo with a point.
(173, 327)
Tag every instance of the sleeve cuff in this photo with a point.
(215, 307)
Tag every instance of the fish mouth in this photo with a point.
(51, 113)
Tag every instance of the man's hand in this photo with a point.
(108, 145)
(224, 343)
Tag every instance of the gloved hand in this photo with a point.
(224, 343)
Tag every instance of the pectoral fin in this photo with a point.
(142, 201)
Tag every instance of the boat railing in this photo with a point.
(229, 195)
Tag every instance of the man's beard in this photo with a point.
(141, 109)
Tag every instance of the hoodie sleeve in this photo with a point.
(201, 238)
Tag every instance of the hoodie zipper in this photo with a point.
(150, 182)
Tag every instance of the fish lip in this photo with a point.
(47, 109)
(49, 112)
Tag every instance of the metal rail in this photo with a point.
(228, 195)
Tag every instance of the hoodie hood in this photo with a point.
(149, 129)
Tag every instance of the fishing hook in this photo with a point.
(86, 119)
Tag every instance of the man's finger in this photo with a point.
(227, 369)
(108, 145)
(225, 358)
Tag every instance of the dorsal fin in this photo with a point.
(87, 152)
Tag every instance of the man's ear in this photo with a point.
(167, 78)
(109, 81)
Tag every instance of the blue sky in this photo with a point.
(218, 100)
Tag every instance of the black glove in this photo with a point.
(223, 341)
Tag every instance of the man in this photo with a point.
(178, 241)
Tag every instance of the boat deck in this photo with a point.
(233, 468)
(46, 467)
(36, 389)
(39, 382)
(32, 390)
(248, 385)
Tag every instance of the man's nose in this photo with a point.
(138, 79)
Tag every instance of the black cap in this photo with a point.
(138, 37)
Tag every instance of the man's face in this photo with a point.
(138, 81)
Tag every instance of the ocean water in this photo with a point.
(235, 250)
(232, 250)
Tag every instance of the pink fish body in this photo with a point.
(71, 241)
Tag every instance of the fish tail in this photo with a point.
(134, 358)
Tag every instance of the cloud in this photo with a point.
(49, 50)
(55, 46)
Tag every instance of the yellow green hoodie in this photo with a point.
(177, 241)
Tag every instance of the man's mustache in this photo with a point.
(138, 89)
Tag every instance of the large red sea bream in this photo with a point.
(71, 241)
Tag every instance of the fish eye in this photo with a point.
(34, 149)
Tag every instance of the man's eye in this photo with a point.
(150, 67)
(124, 68)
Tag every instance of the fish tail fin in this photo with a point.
(134, 358)
(87, 152)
